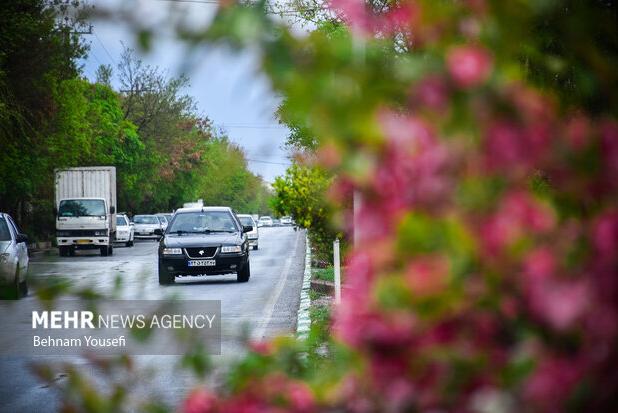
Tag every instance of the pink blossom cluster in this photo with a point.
(509, 296)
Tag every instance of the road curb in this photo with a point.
(303, 322)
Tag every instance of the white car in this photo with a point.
(13, 259)
(145, 226)
(254, 235)
(124, 230)
(163, 220)
(286, 220)
(265, 221)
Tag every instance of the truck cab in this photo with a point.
(85, 223)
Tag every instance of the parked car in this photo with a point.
(204, 241)
(13, 259)
(145, 226)
(163, 220)
(286, 220)
(276, 223)
(247, 220)
(125, 231)
(265, 221)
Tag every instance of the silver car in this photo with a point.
(13, 259)
(145, 226)
(253, 236)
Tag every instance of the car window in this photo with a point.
(218, 221)
(13, 225)
(5, 234)
(121, 220)
(81, 208)
(246, 220)
(146, 219)
(162, 219)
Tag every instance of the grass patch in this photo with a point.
(326, 274)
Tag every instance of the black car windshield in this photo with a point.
(203, 222)
(5, 234)
(146, 219)
(246, 221)
(81, 208)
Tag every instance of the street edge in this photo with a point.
(303, 322)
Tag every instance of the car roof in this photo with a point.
(145, 215)
(203, 209)
(244, 215)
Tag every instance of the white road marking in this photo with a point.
(267, 315)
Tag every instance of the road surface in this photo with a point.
(266, 305)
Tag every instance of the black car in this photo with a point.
(204, 241)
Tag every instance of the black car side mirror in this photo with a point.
(112, 209)
(158, 231)
(247, 228)
(21, 238)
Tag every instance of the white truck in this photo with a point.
(85, 209)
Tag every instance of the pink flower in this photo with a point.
(432, 93)
(605, 235)
(540, 266)
(300, 397)
(264, 348)
(559, 303)
(428, 275)
(200, 401)
(552, 383)
(609, 145)
(354, 13)
(469, 65)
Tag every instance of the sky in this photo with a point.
(227, 85)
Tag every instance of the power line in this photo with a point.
(269, 162)
(104, 48)
(249, 126)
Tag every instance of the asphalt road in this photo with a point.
(266, 306)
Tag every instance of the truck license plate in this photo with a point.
(202, 263)
(83, 241)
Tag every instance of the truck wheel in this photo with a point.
(255, 247)
(165, 278)
(111, 250)
(104, 251)
(63, 251)
(243, 275)
(72, 251)
(129, 243)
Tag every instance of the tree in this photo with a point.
(38, 51)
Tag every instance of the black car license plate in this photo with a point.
(202, 263)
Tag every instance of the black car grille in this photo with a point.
(78, 232)
(208, 252)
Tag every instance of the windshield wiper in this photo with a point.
(180, 232)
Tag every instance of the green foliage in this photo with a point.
(164, 153)
(326, 274)
(301, 193)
